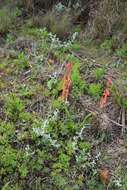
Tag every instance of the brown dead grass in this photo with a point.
(109, 18)
(58, 23)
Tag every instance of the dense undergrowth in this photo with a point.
(47, 143)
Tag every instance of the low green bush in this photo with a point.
(13, 107)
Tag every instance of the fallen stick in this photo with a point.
(112, 121)
(123, 122)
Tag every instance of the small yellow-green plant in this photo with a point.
(78, 84)
(95, 90)
(99, 73)
(119, 96)
(122, 52)
(22, 61)
(107, 45)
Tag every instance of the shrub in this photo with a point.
(13, 107)
(79, 85)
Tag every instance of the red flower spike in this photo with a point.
(66, 82)
(109, 82)
(104, 98)
(106, 94)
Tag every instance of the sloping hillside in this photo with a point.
(63, 106)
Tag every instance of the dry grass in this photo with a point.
(29, 4)
(9, 12)
(6, 19)
(110, 18)
(40, 4)
(58, 23)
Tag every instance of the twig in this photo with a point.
(114, 122)
(123, 122)
(82, 59)
(120, 115)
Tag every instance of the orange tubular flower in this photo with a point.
(66, 82)
(104, 98)
(106, 94)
